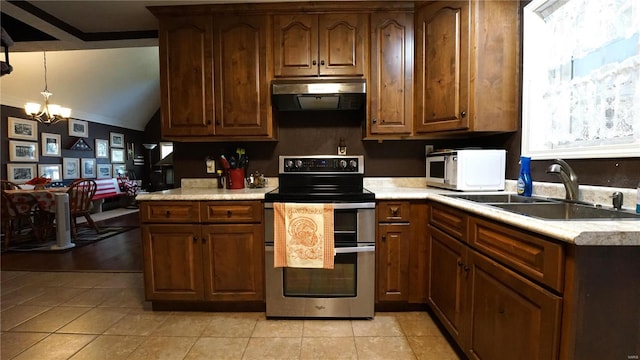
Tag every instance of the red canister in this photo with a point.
(235, 178)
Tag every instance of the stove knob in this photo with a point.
(353, 164)
(343, 164)
(298, 163)
(288, 164)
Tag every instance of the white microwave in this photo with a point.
(467, 169)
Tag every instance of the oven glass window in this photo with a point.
(345, 220)
(338, 282)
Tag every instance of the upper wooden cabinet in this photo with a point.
(320, 45)
(214, 75)
(391, 77)
(242, 75)
(467, 66)
(186, 75)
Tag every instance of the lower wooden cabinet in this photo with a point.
(509, 316)
(172, 262)
(392, 250)
(446, 283)
(233, 262)
(492, 311)
(204, 262)
(401, 252)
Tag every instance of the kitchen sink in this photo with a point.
(500, 198)
(566, 211)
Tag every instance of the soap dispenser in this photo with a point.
(525, 185)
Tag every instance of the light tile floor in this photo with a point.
(76, 315)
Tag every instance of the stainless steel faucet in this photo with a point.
(568, 177)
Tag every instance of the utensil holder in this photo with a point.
(235, 179)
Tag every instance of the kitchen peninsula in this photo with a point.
(551, 289)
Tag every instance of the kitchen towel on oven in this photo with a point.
(303, 235)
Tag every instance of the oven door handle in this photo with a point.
(355, 249)
(340, 250)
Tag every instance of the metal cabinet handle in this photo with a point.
(229, 213)
(463, 114)
(374, 121)
(314, 63)
(322, 62)
(167, 213)
(459, 263)
(394, 212)
(384, 237)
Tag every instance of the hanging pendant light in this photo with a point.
(51, 113)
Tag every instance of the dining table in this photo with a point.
(52, 212)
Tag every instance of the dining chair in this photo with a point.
(13, 216)
(8, 185)
(81, 192)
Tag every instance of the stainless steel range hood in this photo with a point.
(307, 95)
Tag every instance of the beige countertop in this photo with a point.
(205, 194)
(595, 232)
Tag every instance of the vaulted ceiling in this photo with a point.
(102, 57)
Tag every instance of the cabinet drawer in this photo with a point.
(170, 212)
(449, 220)
(539, 259)
(231, 212)
(394, 211)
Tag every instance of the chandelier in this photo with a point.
(51, 113)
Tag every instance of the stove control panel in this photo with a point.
(321, 164)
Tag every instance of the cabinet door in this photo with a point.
(234, 262)
(242, 76)
(312, 45)
(511, 318)
(447, 280)
(342, 44)
(442, 45)
(295, 45)
(186, 75)
(392, 251)
(172, 262)
(391, 79)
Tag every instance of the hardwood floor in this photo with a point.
(122, 252)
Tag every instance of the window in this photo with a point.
(581, 79)
(166, 148)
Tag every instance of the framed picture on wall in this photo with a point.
(25, 151)
(102, 149)
(78, 128)
(51, 171)
(117, 140)
(51, 144)
(23, 129)
(130, 152)
(103, 171)
(117, 155)
(70, 168)
(119, 170)
(88, 167)
(21, 173)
